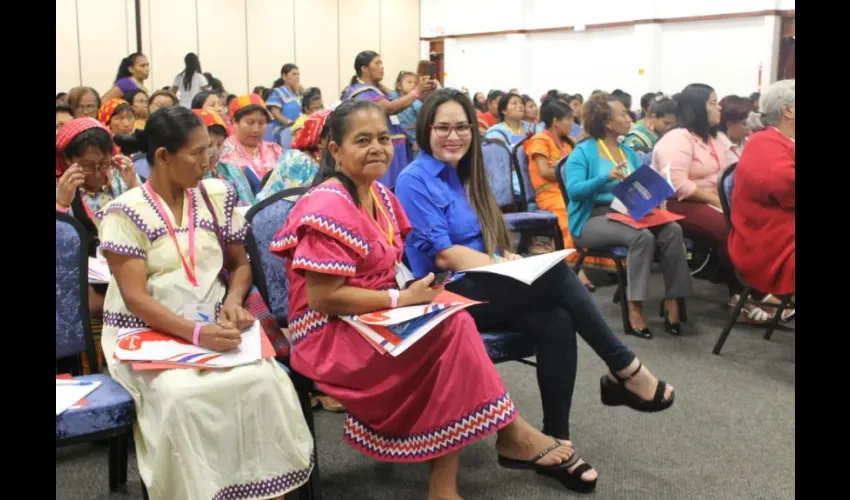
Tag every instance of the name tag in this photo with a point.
(199, 313)
(402, 275)
(394, 120)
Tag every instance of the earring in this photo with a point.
(338, 167)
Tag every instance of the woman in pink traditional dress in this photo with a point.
(342, 243)
(246, 157)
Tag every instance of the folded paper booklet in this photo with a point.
(140, 346)
(642, 191)
(393, 331)
(98, 270)
(70, 393)
(81, 402)
(526, 270)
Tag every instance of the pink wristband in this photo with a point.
(197, 333)
(393, 298)
(416, 94)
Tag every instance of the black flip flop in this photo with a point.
(570, 480)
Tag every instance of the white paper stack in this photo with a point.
(68, 392)
(98, 270)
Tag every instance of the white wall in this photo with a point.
(243, 43)
(638, 58)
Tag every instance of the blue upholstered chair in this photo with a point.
(285, 139)
(143, 168)
(724, 191)
(109, 413)
(269, 275)
(498, 164)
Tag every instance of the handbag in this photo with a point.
(253, 302)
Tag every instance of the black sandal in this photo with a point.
(616, 394)
(570, 480)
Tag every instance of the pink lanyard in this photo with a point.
(259, 173)
(190, 271)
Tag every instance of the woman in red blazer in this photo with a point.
(762, 240)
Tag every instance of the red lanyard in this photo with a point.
(715, 155)
(190, 271)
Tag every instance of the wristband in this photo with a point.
(62, 208)
(393, 298)
(197, 333)
(416, 94)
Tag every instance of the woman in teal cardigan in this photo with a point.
(596, 165)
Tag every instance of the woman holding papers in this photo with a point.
(594, 168)
(696, 158)
(344, 242)
(234, 433)
(455, 231)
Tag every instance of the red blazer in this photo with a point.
(762, 240)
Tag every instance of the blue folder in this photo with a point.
(643, 191)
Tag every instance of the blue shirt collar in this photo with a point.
(431, 165)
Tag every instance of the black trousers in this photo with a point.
(551, 311)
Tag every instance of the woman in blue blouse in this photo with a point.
(596, 165)
(454, 232)
(284, 102)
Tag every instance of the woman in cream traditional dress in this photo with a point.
(236, 433)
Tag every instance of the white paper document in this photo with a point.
(526, 270)
(68, 392)
(98, 270)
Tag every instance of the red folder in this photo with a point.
(266, 346)
(655, 218)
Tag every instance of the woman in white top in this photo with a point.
(190, 81)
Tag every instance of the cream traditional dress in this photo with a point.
(230, 434)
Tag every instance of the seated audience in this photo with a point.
(284, 102)
(85, 101)
(480, 102)
(733, 130)
(208, 100)
(118, 116)
(407, 408)
(64, 114)
(138, 100)
(660, 118)
(532, 114)
(311, 102)
(246, 157)
(762, 241)
(298, 166)
(456, 225)
(61, 98)
(592, 170)
(696, 158)
(545, 150)
(161, 99)
(487, 119)
(217, 131)
(198, 434)
(366, 84)
(510, 129)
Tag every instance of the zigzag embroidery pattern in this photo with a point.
(387, 202)
(308, 322)
(332, 228)
(337, 267)
(484, 420)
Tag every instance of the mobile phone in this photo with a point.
(432, 70)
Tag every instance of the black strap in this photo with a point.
(660, 389)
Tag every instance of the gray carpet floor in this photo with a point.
(730, 434)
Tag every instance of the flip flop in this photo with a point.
(570, 480)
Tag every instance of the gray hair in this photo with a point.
(774, 97)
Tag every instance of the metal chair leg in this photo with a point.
(778, 316)
(731, 322)
(579, 262)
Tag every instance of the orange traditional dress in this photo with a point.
(547, 193)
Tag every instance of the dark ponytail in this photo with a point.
(127, 63)
(363, 59)
(337, 126)
(193, 65)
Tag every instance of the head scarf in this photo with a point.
(209, 118)
(104, 114)
(67, 133)
(246, 100)
(308, 137)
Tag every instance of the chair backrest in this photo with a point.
(286, 138)
(143, 168)
(520, 163)
(266, 178)
(73, 325)
(562, 185)
(644, 158)
(498, 165)
(269, 271)
(724, 192)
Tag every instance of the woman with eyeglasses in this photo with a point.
(90, 173)
(84, 101)
(457, 225)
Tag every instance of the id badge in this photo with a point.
(199, 313)
(402, 275)
(394, 120)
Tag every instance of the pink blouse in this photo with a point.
(693, 163)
